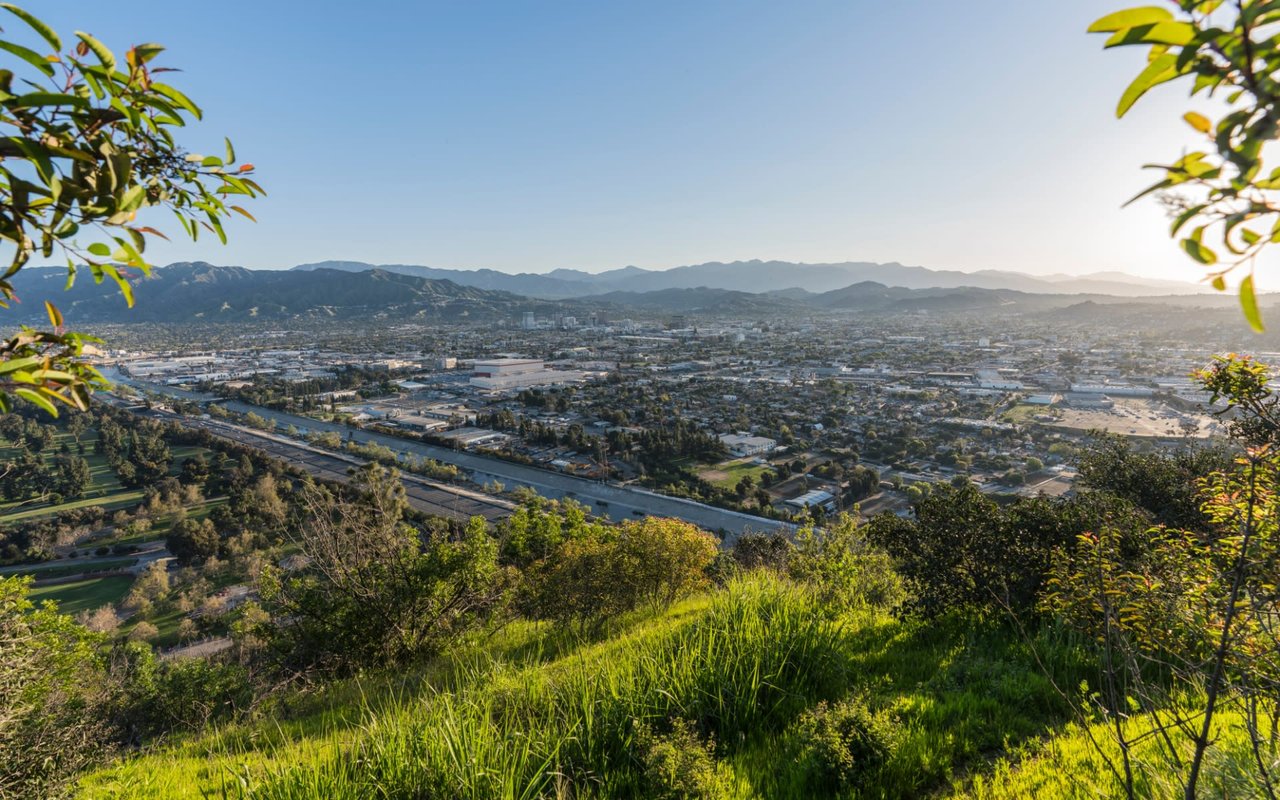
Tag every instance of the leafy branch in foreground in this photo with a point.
(1221, 194)
(86, 143)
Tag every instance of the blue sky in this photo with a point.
(535, 135)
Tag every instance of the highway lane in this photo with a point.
(428, 496)
(604, 499)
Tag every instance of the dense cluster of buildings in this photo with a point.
(920, 398)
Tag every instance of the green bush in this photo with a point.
(605, 572)
(679, 765)
(840, 744)
(51, 688)
(844, 568)
(753, 550)
(157, 697)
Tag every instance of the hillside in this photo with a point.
(961, 709)
(742, 664)
(701, 300)
(204, 292)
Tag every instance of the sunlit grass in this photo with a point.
(536, 711)
(1085, 764)
(85, 595)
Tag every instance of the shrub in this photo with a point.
(964, 551)
(680, 765)
(143, 631)
(51, 682)
(840, 744)
(156, 697)
(377, 591)
(762, 550)
(844, 567)
(607, 572)
(577, 584)
(665, 559)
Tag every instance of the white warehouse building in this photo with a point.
(498, 374)
(741, 445)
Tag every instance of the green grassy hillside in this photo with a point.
(536, 712)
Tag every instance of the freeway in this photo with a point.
(428, 496)
(603, 499)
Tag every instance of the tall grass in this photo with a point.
(535, 714)
(761, 653)
(1076, 764)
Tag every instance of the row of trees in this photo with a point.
(31, 477)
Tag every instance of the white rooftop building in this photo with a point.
(742, 445)
(518, 373)
(1114, 389)
(816, 497)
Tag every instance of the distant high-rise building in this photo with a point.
(529, 322)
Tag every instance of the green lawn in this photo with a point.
(109, 502)
(84, 595)
(104, 490)
(727, 474)
(166, 624)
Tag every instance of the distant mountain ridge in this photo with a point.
(198, 291)
(773, 276)
(201, 292)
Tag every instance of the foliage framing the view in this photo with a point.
(88, 145)
(1222, 193)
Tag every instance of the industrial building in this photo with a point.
(499, 374)
(741, 445)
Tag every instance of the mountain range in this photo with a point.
(198, 292)
(201, 292)
(772, 276)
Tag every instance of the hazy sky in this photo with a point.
(543, 134)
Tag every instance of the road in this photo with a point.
(202, 649)
(146, 553)
(604, 499)
(430, 497)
